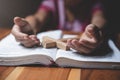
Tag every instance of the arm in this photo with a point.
(92, 37)
(37, 20)
(98, 19)
(25, 29)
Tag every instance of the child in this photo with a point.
(79, 16)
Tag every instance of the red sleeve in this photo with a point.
(47, 5)
(97, 7)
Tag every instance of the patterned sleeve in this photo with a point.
(47, 5)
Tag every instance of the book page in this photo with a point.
(112, 56)
(10, 50)
(56, 34)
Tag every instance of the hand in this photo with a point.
(89, 40)
(23, 33)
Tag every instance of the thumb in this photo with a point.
(20, 21)
(21, 35)
(93, 31)
(17, 33)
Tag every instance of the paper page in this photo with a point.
(56, 34)
(69, 36)
(9, 48)
(113, 56)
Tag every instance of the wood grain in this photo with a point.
(96, 74)
(32, 73)
(74, 74)
(15, 73)
(5, 71)
(4, 32)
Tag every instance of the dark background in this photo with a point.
(11, 8)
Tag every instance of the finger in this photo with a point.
(22, 36)
(33, 43)
(89, 44)
(75, 43)
(17, 33)
(87, 40)
(70, 45)
(69, 41)
(80, 48)
(28, 40)
(92, 31)
(29, 43)
(34, 37)
(20, 21)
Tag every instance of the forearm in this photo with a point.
(34, 23)
(98, 19)
(37, 20)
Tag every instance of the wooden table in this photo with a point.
(50, 73)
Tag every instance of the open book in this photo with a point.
(14, 54)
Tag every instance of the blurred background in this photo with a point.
(11, 8)
(22, 8)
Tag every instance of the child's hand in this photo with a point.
(90, 39)
(23, 33)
